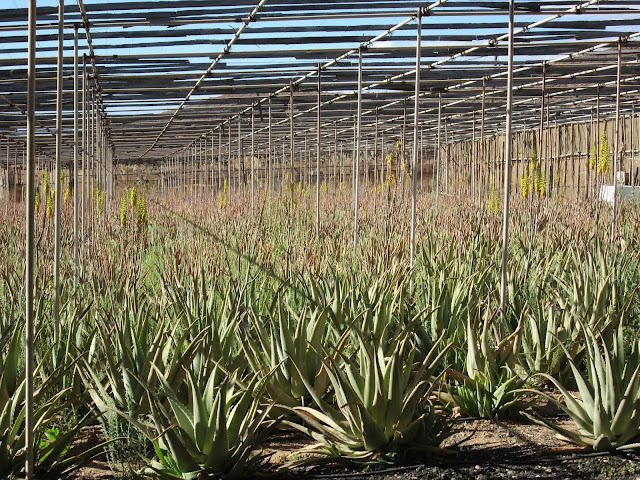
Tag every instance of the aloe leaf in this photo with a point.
(373, 436)
(220, 445)
(628, 404)
(328, 426)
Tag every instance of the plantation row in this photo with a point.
(194, 334)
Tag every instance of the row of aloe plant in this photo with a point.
(202, 358)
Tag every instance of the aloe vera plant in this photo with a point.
(274, 348)
(590, 293)
(381, 411)
(214, 316)
(213, 433)
(130, 350)
(540, 352)
(607, 410)
(490, 387)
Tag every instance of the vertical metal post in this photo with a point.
(446, 157)
(482, 145)
(507, 168)
(220, 159)
(438, 151)
(548, 156)
(24, 169)
(240, 154)
(270, 153)
(183, 173)
(597, 133)
(58, 194)
(192, 173)
(252, 155)
(229, 173)
(95, 160)
(357, 159)
(375, 157)
(30, 244)
(306, 156)
(402, 161)
(318, 150)
(6, 182)
(85, 156)
(97, 157)
(416, 121)
(75, 159)
(633, 151)
(103, 151)
(421, 159)
(542, 107)
(616, 155)
(473, 158)
(291, 138)
(336, 172)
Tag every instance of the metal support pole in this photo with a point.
(507, 168)
(633, 151)
(416, 120)
(75, 159)
(616, 157)
(473, 158)
(229, 173)
(30, 244)
(6, 182)
(240, 154)
(220, 159)
(357, 156)
(270, 153)
(85, 156)
(192, 173)
(58, 194)
(438, 151)
(291, 139)
(421, 159)
(95, 162)
(252, 156)
(482, 149)
(375, 156)
(596, 193)
(318, 151)
(548, 154)
(542, 107)
(402, 161)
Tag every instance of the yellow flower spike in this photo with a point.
(38, 200)
(604, 160)
(133, 197)
(524, 184)
(50, 203)
(67, 196)
(141, 218)
(593, 156)
(123, 211)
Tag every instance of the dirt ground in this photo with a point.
(502, 450)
